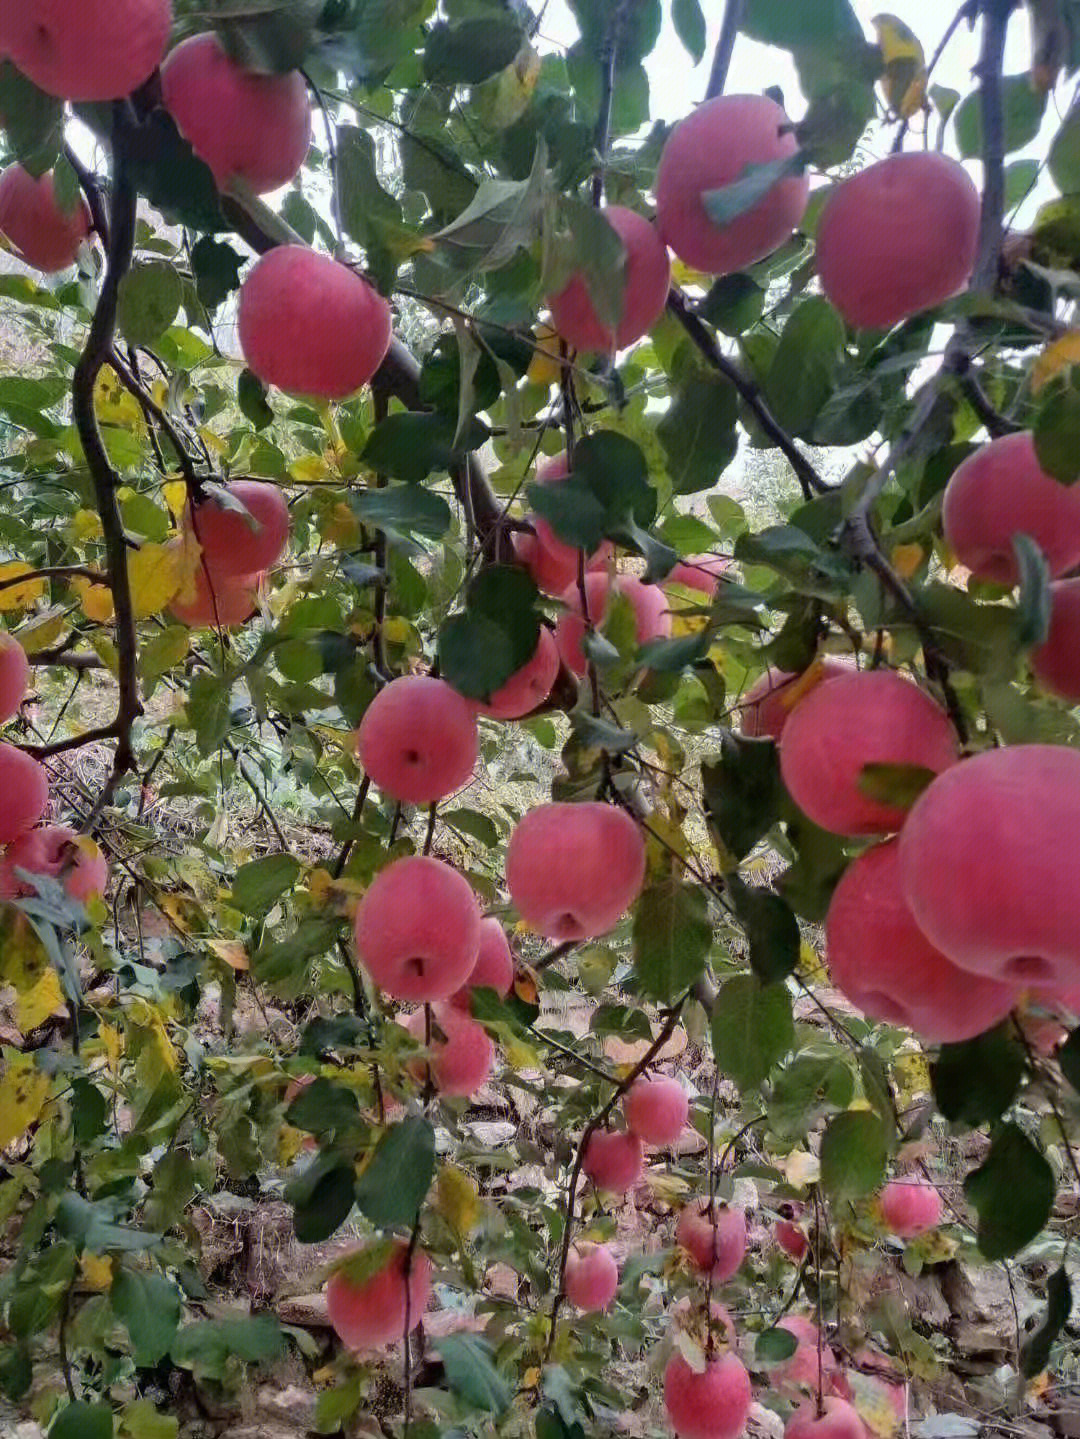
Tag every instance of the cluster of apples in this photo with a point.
(241, 532)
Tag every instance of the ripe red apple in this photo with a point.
(221, 603)
(647, 279)
(72, 858)
(910, 1207)
(592, 1277)
(245, 126)
(31, 218)
(765, 706)
(85, 49)
(462, 1054)
(1000, 491)
(801, 1368)
(553, 563)
(838, 1421)
(880, 959)
(791, 1239)
(710, 150)
(716, 1241)
(417, 739)
(573, 870)
(235, 545)
(712, 1405)
(613, 1160)
(24, 786)
(14, 676)
(28, 853)
(494, 967)
(1056, 662)
(847, 722)
(656, 1108)
(310, 324)
(897, 238)
(652, 617)
(700, 572)
(418, 929)
(985, 869)
(370, 1313)
(527, 687)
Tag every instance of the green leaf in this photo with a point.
(469, 51)
(208, 1345)
(895, 784)
(1064, 158)
(698, 431)
(141, 1420)
(752, 1029)
(503, 217)
(251, 396)
(1035, 1354)
(1013, 1192)
(854, 1153)
(496, 635)
(1024, 107)
(803, 373)
(755, 182)
(1020, 179)
(90, 1227)
(410, 446)
(672, 939)
(208, 710)
(796, 27)
(806, 1090)
(322, 1107)
(1057, 432)
(689, 25)
(733, 304)
(403, 512)
(396, 1181)
(772, 931)
(283, 964)
(1034, 605)
(471, 822)
(608, 490)
(321, 1195)
(471, 1373)
(743, 792)
(820, 860)
(1068, 1057)
(370, 215)
(216, 267)
(257, 885)
(592, 248)
(33, 122)
(80, 1420)
(148, 1305)
(150, 298)
(774, 1346)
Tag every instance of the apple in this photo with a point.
(246, 126)
(311, 325)
(418, 929)
(852, 720)
(898, 237)
(1056, 662)
(837, 1420)
(42, 234)
(765, 706)
(417, 739)
(652, 617)
(801, 1368)
(613, 1160)
(791, 1239)
(370, 1312)
(573, 870)
(462, 1054)
(711, 1405)
(234, 544)
(222, 603)
(74, 859)
(28, 853)
(655, 1108)
(592, 1277)
(527, 687)
(910, 1207)
(494, 968)
(715, 1242)
(1001, 491)
(986, 871)
(85, 49)
(700, 572)
(710, 150)
(646, 281)
(14, 676)
(25, 787)
(882, 962)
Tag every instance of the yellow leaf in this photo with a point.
(1060, 354)
(531, 1378)
(43, 630)
(112, 1040)
(906, 559)
(912, 1075)
(114, 405)
(147, 1017)
(174, 493)
(231, 951)
(340, 526)
(904, 80)
(514, 86)
(155, 573)
(310, 470)
(19, 597)
(811, 967)
(801, 1168)
(84, 525)
(35, 1004)
(212, 441)
(683, 274)
(544, 367)
(520, 1055)
(96, 600)
(457, 1198)
(24, 1092)
(22, 955)
(97, 1270)
(873, 1404)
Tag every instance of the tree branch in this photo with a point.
(156, 415)
(51, 572)
(725, 44)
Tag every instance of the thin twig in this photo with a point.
(725, 44)
(968, 10)
(156, 415)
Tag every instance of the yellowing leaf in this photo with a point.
(212, 441)
(811, 967)
(114, 405)
(43, 630)
(906, 559)
(112, 1041)
(96, 600)
(24, 1092)
(231, 951)
(520, 1055)
(155, 573)
(19, 597)
(96, 1270)
(1060, 354)
(340, 526)
(310, 470)
(34, 1005)
(904, 80)
(514, 86)
(544, 367)
(457, 1198)
(873, 1404)
(912, 1075)
(174, 493)
(801, 1168)
(84, 525)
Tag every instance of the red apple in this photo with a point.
(58, 851)
(42, 234)
(553, 563)
(801, 1368)
(848, 722)
(220, 603)
(987, 870)
(700, 572)
(880, 959)
(85, 49)
(897, 238)
(652, 617)
(418, 929)
(14, 676)
(613, 1160)
(791, 1239)
(646, 281)
(417, 739)
(837, 1421)
(655, 1108)
(494, 968)
(592, 1277)
(711, 1405)
(710, 150)
(234, 544)
(527, 687)
(1001, 491)
(714, 1242)
(910, 1207)
(462, 1054)
(310, 324)
(25, 789)
(573, 870)
(1056, 662)
(369, 1313)
(765, 706)
(244, 125)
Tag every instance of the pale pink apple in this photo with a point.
(24, 792)
(527, 687)
(715, 1241)
(910, 1207)
(652, 615)
(838, 1420)
(613, 1160)
(882, 962)
(848, 722)
(987, 871)
(573, 870)
(42, 234)
(236, 544)
(710, 150)
(494, 968)
(418, 929)
(417, 739)
(246, 126)
(766, 705)
(462, 1054)
(801, 1368)
(1056, 662)
(656, 1109)
(592, 1277)
(311, 325)
(646, 281)
(371, 1312)
(14, 676)
(85, 49)
(1001, 491)
(898, 237)
(712, 1405)
(703, 573)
